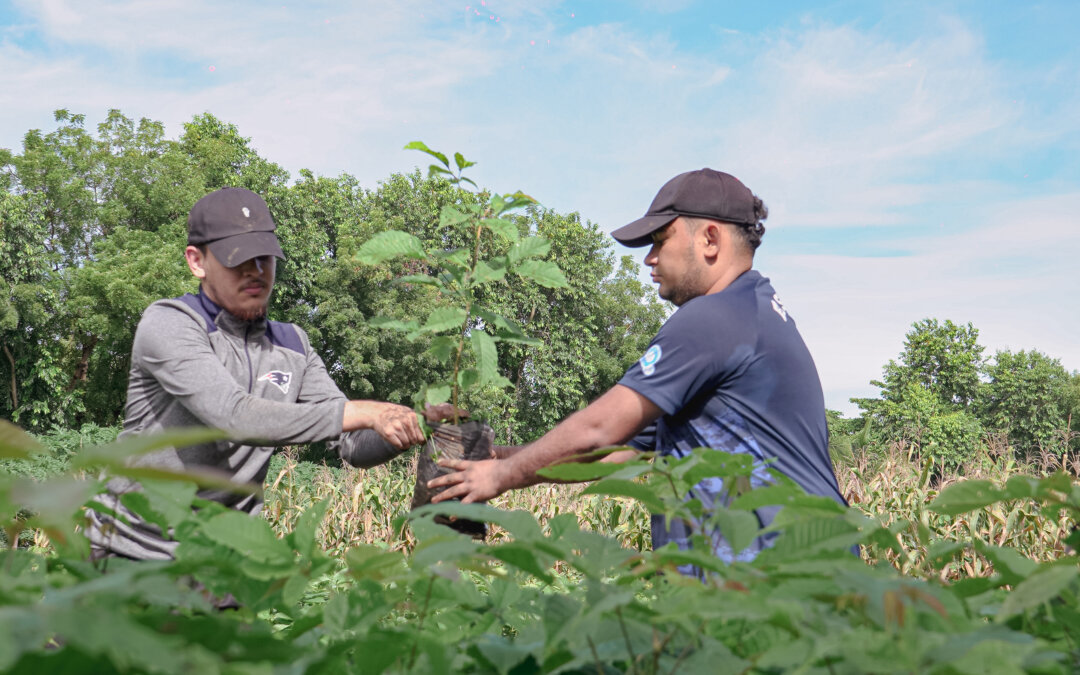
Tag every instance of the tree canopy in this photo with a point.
(94, 226)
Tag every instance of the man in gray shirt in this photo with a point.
(213, 359)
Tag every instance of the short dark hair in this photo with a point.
(749, 235)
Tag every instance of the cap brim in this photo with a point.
(639, 232)
(240, 248)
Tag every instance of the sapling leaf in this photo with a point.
(468, 378)
(422, 147)
(625, 488)
(529, 247)
(444, 318)
(515, 201)
(487, 355)
(437, 394)
(515, 338)
(578, 471)
(461, 162)
(501, 381)
(418, 279)
(442, 347)
(543, 272)
(450, 216)
(502, 227)
(489, 271)
(390, 323)
(389, 245)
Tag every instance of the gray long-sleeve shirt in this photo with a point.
(195, 364)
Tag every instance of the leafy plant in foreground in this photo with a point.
(555, 599)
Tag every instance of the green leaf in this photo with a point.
(389, 245)
(487, 355)
(437, 394)
(579, 471)
(304, 536)
(449, 216)
(965, 496)
(1042, 586)
(805, 537)
(444, 318)
(419, 279)
(442, 347)
(422, 147)
(543, 272)
(468, 378)
(247, 534)
(738, 527)
(114, 454)
(502, 227)
(390, 323)
(16, 443)
(513, 201)
(486, 271)
(1011, 565)
(294, 589)
(523, 557)
(461, 162)
(625, 488)
(371, 562)
(529, 247)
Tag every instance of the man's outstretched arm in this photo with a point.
(612, 419)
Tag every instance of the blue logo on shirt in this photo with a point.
(279, 379)
(648, 362)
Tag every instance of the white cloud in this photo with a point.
(832, 125)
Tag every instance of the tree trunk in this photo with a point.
(14, 381)
(82, 368)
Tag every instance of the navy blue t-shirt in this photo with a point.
(731, 372)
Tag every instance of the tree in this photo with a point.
(926, 397)
(1031, 398)
(93, 225)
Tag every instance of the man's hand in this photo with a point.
(443, 411)
(396, 423)
(473, 482)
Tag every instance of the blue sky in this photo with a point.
(918, 159)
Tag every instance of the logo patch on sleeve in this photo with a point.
(279, 379)
(649, 361)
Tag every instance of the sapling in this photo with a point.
(461, 326)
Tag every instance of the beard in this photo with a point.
(690, 285)
(249, 312)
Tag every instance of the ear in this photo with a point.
(195, 262)
(710, 238)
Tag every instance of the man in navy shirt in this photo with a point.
(727, 371)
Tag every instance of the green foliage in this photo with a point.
(458, 276)
(94, 221)
(944, 401)
(538, 599)
(1031, 398)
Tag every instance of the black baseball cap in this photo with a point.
(235, 224)
(704, 193)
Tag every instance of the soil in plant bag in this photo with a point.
(471, 441)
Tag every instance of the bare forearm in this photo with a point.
(506, 451)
